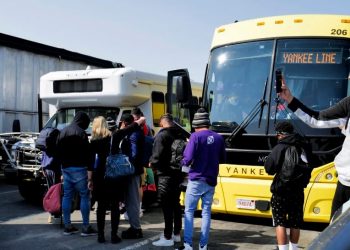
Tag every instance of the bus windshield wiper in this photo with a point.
(249, 118)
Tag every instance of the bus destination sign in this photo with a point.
(311, 57)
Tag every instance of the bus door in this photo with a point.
(179, 98)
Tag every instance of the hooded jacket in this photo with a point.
(73, 144)
(275, 159)
(161, 152)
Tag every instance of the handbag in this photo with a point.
(52, 199)
(118, 165)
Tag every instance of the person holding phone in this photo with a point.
(333, 117)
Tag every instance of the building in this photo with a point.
(22, 63)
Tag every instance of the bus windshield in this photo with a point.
(316, 71)
(64, 117)
(236, 78)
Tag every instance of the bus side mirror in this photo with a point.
(183, 89)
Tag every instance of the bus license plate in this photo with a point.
(245, 204)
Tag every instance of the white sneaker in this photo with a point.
(185, 247)
(124, 216)
(203, 248)
(177, 238)
(162, 242)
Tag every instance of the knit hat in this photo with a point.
(201, 119)
(284, 128)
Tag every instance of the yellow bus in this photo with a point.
(313, 52)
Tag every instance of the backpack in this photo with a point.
(52, 199)
(177, 148)
(47, 141)
(295, 170)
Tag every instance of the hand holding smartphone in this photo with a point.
(278, 81)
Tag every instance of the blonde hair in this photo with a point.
(100, 128)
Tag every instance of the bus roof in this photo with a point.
(282, 27)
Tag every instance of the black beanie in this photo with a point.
(284, 128)
(201, 119)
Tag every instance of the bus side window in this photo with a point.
(158, 107)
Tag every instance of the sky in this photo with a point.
(149, 35)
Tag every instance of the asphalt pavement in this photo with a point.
(25, 225)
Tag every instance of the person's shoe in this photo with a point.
(177, 238)
(132, 233)
(88, 231)
(101, 238)
(115, 239)
(203, 248)
(185, 247)
(68, 230)
(163, 242)
(124, 216)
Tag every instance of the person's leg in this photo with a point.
(207, 200)
(279, 216)
(193, 193)
(337, 199)
(294, 235)
(295, 215)
(101, 215)
(166, 202)
(68, 191)
(177, 211)
(132, 202)
(115, 218)
(281, 235)
(82, 187)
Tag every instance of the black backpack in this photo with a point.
(47, 141)
(177, 149)
(295, 170)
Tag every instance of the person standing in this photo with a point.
(203, 154)
(287, 199)
(132, 199)
(76, 158)
(333, 117)
(169, 179)
(108, 192)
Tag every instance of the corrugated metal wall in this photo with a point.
(20, 73)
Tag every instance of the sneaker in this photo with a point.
(163, 242)
(124, 216)
(132, 233)
(101, 238)
(177, 238)
(203, 248)
(88, 231)
(68, 230)
(185, 247)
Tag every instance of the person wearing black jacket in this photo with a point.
(287, 199)
(76, 159)
(169, 180)
(108, 193)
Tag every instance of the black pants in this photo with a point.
(342, 195)
(103, 204)
(169, 194)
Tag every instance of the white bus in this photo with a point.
(98, 92)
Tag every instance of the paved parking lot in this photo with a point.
(24, 225)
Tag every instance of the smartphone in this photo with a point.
(278, 80)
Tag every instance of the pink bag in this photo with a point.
(52, 199)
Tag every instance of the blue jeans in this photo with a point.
(75, 180)
(198, 190)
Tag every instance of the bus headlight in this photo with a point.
(329, 176)
(316, 210)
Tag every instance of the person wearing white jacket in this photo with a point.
(335, 116)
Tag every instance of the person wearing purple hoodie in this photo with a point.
(202, 156)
